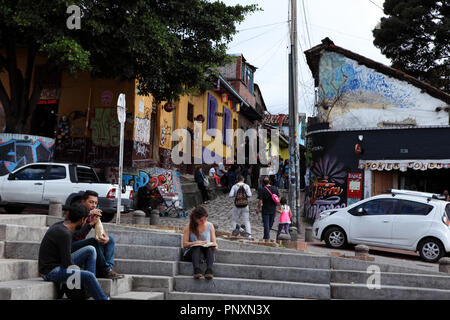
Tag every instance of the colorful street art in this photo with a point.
(327, 188)
(17, 150)
(105, 128)
(156, 177)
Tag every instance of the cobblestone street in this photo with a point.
(220, 212)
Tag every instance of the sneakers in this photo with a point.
(209, 274)
(236, 231)
(197, 273)
(111, 274)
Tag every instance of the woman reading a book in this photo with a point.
(199, 239)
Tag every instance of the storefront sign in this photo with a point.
(403, 165)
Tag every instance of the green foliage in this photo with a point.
(168, 45)
(416, 37)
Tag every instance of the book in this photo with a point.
(206, 245)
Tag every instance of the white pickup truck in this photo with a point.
(36, 184)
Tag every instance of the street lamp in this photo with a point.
(121, 114)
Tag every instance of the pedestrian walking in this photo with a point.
(241, 192)
(202, 183)
(285, 217)
(199, 239)
(267, 205)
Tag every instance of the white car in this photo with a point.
(408, 220)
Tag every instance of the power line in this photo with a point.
(258, 35)
(376, 5)
(262, 26)
(306, 23)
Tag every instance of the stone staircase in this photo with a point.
(151, 262)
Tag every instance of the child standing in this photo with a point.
(285, 217)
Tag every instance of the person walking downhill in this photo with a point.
(56, 263)
(268, 199)
(241, 192)
(201, 180)
(285, 217)
(199, 239)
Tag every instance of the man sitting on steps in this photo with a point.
(104, 246)
(56, 262)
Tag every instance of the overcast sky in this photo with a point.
(264, 39)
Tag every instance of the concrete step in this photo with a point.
(116, 287)
(262, 272)
(14, 232)
(362, 292)
(141, 252)
(147, 238)
(146, 267)
(2, 249)
(22, 250)
(252, 287)
(24, 219)
(134, 295)
(392, 279)
(15, 269)
(273, 259)
(146, 283)
(28, 289)
(175, 295)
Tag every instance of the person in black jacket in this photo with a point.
(267, 206)
(200, 179)
(56, 262)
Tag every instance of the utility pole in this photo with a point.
(294, 158)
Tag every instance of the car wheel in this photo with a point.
(335, 238)
(431, 250)
(14, 209)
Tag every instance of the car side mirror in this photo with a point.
(11, 177)
(361, 212)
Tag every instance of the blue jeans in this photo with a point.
(105, 252)
(267, 220)
(85, 257)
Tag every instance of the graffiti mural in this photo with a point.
(156, 177)
(105, 128)
(17, 150)
(327, 187)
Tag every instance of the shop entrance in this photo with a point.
(431, 180)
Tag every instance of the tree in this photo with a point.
(415, 36)
(168, 45)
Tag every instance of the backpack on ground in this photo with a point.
(241, 199)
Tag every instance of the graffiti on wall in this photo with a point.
(142, 130)
(156, 177)
(17, 150)
(327, 188)
(105, 128)
(373, 97)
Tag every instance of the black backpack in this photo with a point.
(241, 199)
(74, 294)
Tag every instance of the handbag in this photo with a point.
(275, 198)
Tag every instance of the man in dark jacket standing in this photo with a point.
(56, 262)
(269, 207)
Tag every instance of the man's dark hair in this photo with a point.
(240, 178)
(266, 181)
(88, 193)
(77, 212)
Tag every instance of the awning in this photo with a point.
(403, 165)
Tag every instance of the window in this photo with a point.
(190, 112)
(86, 175)
(212, 109)
(57, 172)
(414, 208)
(376, 207)
(31, 173)
(226, 125)
(447, 210)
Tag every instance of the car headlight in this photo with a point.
(326, 214)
